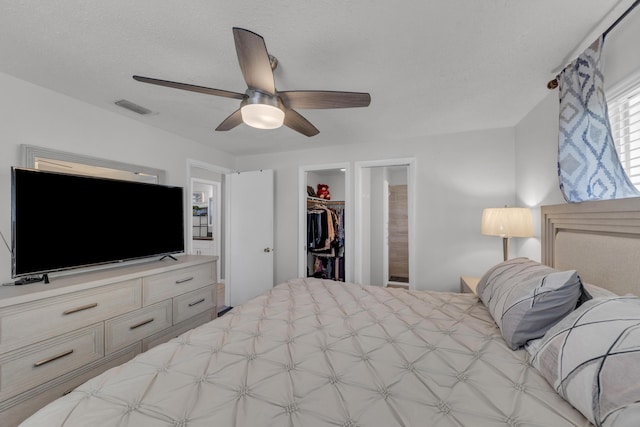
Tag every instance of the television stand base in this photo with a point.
(29, 279)
(168, 256)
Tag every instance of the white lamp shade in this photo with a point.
(262, 116)
(507, 222)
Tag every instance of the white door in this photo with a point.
(249, 239)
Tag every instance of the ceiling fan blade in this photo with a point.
(254, 60)
(192, 88)
(316, 99)
(230, 122)
(298, 123)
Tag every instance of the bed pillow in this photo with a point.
(598, 292)
(591, 358)
(590, 291)
(526, 298)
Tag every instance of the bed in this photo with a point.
(315, 352)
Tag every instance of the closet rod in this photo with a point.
(311, 202)
(554, 83)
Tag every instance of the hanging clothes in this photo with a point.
(324, 228)
(325, 240)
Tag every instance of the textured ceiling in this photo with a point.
(430, 66)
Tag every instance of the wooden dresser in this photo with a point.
(55, 336)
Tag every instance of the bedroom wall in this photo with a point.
(35, 116)
(457, 176)
(536, 135)
(536, 168)
(620, 57)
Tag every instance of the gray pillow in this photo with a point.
(591, 358)
(526, 298)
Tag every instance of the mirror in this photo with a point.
(60, 161)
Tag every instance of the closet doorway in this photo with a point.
(324, 223)
(384, 217)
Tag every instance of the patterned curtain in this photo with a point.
(588, 164)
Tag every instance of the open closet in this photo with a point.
(325, 224)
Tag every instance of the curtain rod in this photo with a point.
(554, 82)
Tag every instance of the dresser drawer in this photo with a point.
(167, 285)
(192, 303)
(29, 323)
(132, 327)
(177, 329)
(29, 366)
(16, 409)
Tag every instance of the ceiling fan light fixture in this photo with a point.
(262, 111)
(262, 106)
(262, 116)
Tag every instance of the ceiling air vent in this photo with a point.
(133, 107)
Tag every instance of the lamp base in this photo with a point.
(505, 247)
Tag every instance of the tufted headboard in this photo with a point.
(601, 240)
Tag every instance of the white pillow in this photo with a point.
(591, 358)
(589, 291)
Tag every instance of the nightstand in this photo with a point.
(468, 284)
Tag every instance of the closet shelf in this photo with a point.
(311, 200)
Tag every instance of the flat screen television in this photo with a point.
(62, 221)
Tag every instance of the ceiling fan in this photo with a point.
(263, 106)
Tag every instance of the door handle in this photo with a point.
(77, 309)
(52, 358)
(144, 322)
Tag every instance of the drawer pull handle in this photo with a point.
(184, 280)
(144, 322)
(77, 309)
(197, 302)
(52, 358)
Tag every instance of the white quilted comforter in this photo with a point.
(314, 352)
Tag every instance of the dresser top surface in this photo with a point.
(66, 283)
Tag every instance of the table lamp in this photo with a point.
(506, 223)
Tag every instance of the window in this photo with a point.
(624, 116)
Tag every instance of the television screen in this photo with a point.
(62, 221)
